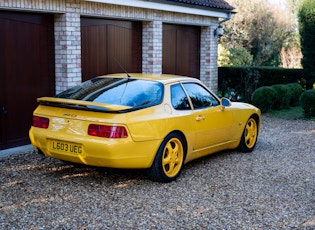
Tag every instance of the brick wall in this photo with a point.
(34, 5)
(68, 46)
(152, 47)
(208, 57)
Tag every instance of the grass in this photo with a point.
(292, 113)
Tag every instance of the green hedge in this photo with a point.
(245, 80)
(283, 97)
(264, 98)
(277, 97)
(295, 90)
(307, 101)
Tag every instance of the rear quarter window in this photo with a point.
(179, 98)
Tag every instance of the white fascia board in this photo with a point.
(167, 7)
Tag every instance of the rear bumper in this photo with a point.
(112, 153)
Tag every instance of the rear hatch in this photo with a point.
(87, 109)
(78, 117)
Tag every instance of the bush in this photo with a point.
(307, 101)
(264, 98)
(295, 90)
(283, 97)
(232, 78)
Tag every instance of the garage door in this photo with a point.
(107, 42)
(181, 50)
(26, 71)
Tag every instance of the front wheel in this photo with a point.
(169, 159)
(249, 136)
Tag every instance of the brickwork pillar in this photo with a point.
(68, 46)
(208, 58)
(152, 47)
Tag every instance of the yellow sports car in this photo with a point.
(156, 122)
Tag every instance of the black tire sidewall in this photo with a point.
(242, 146)
(156, 171)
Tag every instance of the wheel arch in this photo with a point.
(157, 170)
(243, 147)
(257, 119)
(185, 143)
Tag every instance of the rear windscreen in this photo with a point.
(117, 91)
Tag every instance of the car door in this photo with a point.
(213, 125)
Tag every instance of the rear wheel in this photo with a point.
(249, 136)
(169, 159)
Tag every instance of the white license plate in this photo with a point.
(65, 147)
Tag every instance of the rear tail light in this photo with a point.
(40, 122)
(107, 131)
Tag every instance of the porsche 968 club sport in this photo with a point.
(153, 122)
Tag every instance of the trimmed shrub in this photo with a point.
(263, 98)
(231, 78)
(307, 101)
(295, 90)
(283, 97)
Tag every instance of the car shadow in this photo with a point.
(98, 175)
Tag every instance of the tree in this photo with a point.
(238, 56)
(224, 56)
(293, 5)
(260, 29)
(291, 54)
(241, 57)
(306, 17)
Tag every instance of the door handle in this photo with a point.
(200, 118)
(4, 110)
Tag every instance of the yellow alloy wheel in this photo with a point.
(173, 157)
(169, 159)
(249, 136)
(251, 133)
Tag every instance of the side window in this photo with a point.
(200, 97)
(179, 98)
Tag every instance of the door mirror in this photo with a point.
(224, 103)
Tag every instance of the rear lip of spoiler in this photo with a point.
(108, 107)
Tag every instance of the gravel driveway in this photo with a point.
(271, 188)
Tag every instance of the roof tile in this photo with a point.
(218, 4)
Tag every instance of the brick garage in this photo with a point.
(153, 16)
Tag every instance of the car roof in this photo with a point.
(163, 78)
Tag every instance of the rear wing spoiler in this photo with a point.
(78, 103)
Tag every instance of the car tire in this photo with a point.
(249, 136)
(169, 159)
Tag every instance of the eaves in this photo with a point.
(171, 7)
